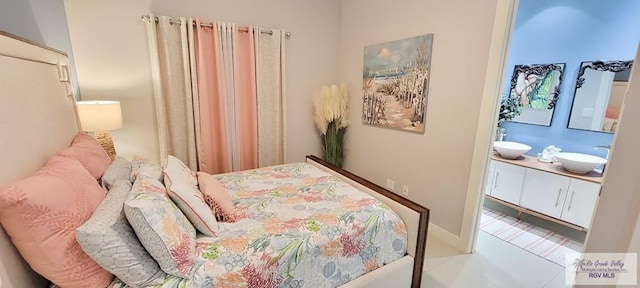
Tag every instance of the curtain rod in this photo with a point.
(145, 18)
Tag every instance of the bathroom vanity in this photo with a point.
(543, 189)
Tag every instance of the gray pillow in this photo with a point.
(141, 166)
(108, 239)
(119, 169)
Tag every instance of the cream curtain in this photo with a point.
(227, 33)
(172, 58)
(271, 97)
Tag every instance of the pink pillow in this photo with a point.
(216, 197)
(613, 113)
(89, 152)
(41, 214)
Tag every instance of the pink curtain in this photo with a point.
(246, 107)
(227, 95)
(219, 93)
(213, 140)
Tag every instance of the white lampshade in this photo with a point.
(99, 115)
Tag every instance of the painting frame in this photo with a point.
(396, 82)
(537, 88)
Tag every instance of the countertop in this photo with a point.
(556, 168)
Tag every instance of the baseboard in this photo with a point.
(444, 236)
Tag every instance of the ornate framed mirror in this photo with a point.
(597, 100)
(537, 88)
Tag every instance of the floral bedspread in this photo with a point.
(301, 227)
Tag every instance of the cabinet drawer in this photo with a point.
(580, 203)
(507, 182)
(544, 192)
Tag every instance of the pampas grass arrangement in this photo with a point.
(331, 115)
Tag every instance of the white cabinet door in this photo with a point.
(544, 192)
(490, 177)
(508, 182)
(581, 202)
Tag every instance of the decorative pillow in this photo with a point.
(141, 166)
(88, 151)
(216, 197)
(109, 239)
(161, 227)
(120, 169)
(182, 187)
(41, 214)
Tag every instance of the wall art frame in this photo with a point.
(395, 83)
(537, 89)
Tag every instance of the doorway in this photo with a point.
(527, 15)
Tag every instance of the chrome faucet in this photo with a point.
(502, 134)
(604, 147)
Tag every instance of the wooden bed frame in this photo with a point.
(38, 118)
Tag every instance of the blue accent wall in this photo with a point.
(569, 31)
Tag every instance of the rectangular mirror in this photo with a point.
(536, 87)
(597, 100)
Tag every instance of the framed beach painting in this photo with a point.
(536, 87)
(395, 83)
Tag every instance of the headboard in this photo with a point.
(37, 119)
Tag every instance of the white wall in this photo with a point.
(436, 165)
(113, 64)
(634, 244)
(109, 42)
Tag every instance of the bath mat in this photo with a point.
(537, 240)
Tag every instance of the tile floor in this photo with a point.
(495, 264)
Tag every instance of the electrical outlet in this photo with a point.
(390, 184)
(405, 190)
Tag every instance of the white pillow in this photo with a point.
(182, 187)
(161, 227)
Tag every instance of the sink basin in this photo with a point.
(510, 150)
(579, 163)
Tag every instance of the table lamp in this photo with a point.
(101, 117)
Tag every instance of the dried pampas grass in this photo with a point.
(332, 105)
(331, 116)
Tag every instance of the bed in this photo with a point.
(38, 119)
